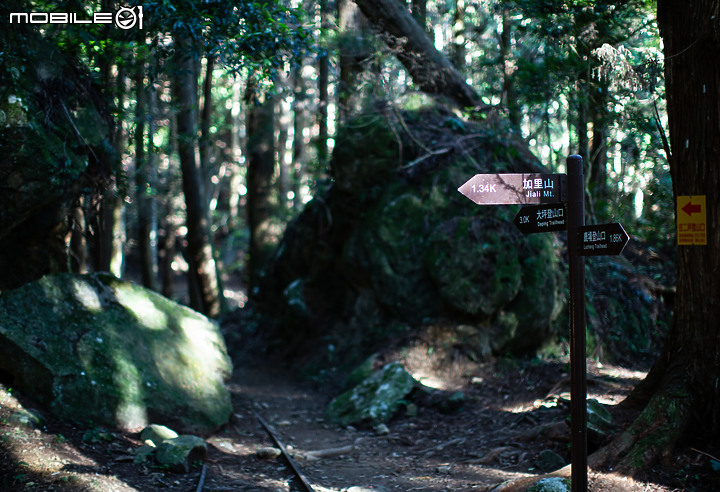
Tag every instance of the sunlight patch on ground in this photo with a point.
(617, 372)
(430, 380)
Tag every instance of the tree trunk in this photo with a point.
(598, 144)
(261, 165)
(299, 111)
(147, 215)
(110, 219)
(685, 396)
(323, 90)
(431, 71)
(199, 246)
(78, 241)
(283, 134)
(458, 32)
(206, 146)
(510, 99)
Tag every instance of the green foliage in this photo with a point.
(259, 35)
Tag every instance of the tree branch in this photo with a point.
(431, 71)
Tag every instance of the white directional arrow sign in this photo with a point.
(508, 189)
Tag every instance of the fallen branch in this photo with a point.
(306, 485)
(441, 446)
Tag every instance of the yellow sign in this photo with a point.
(691, 220)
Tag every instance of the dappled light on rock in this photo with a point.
(94, 348)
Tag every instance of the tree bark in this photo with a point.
(510, 99)
(300, 117)
(146, 211)
(206, 147)
(323, 90)
(431, 71)
(78, 241)
(598, 144)
(458, 33)
(284, 181)
(261, 165)
(199, 246)
(685, 396)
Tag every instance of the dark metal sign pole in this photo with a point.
(578, 369)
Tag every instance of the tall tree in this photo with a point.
(459, 49)
(144, 164)
(323, 88)
(203, 271)
(299, 145)
(261, 166)
(509, 93)
(681, 391)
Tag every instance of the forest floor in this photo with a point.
(514, 410)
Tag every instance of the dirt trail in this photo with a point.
(511, 414)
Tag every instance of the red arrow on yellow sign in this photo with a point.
(691, 220)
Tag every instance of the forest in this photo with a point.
(218, 212)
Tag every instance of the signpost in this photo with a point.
(508, 189)
(541, 218)
(559, 205)
(602, 239)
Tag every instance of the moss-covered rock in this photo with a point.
(180, 453)
(94, 348)
(375, 399)
(391, 244)
(551, 484)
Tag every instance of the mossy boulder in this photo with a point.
(375, 399)
(391, 245)
(94, 348)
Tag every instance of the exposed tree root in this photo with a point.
(653, 434)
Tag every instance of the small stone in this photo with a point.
(382, 430)
(552, 484)
(157, 433)
(548, 460)
(181, 452)
(268, 453)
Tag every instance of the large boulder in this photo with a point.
(95, 348)
(391, 244)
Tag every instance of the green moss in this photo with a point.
(134, 353)
(552, 484)
(473, 265)
(375, 399)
